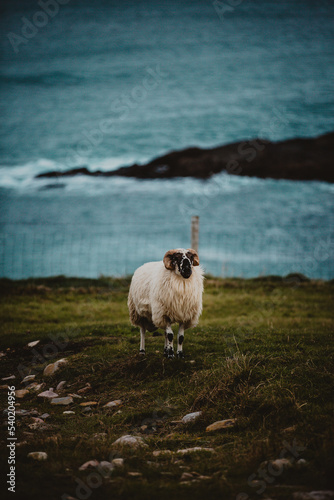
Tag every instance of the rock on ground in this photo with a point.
(221, 424)
(38, 455)
(191, 417)
(132, 441)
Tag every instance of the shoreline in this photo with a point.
(292, 159)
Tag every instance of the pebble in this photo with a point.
(112, 404)
(193, 450)
(11, 377)
(127, 440)
(62, 401)
(281, 463)
(157, 453)
(28, 378)
(118, 462)
(32, 344)
(75, 396)
(85, 389)
(53, 367)
(68, 412)
(191, 417)
(221, 424)
(106, 466)
(89, 403)
(48, 394)
(38, 455)
(314, 495)
(45, 415)
(34, 386)
(20, 393)
(60, 385)
(135, 474)
(90, 463)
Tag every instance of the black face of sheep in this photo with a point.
(181, 262)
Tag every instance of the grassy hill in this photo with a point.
(262, 354)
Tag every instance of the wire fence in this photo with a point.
(30, 250)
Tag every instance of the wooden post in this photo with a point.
(194, 232)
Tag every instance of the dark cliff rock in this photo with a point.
(297, 159)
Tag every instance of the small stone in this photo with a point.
(301, 463)
(118, 462)
(68, 412)
(90, 463)
(144, 428)
(2, 354)
(89, 403)
(112, 404)
(281, 463)
(62, 401)
(85, 389)
(38, 455)
(28, 378)
(135, 474)
(314, 495)
(20, 393)
(106, 466)
(75, 396)
(11, 377)
(53, 367)
(60, 385)
(22, 413)
(186, 476)
(34, 386)
(157, 453)
(45, 416)
(194, 450)
(133, 441)
(191, 417)
(221, 424)
(192, 361)
(87, 409)
(32, 344)
(48, 394)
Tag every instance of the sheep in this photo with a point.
(166, 292)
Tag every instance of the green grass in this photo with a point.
(262, 354)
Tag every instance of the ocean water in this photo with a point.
(108, 83)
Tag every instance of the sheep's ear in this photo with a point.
(168, 260)
(194, 256)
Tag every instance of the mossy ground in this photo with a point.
(262, 354)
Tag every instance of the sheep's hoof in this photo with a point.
(180, 354)
(142, 351)
(169, 352)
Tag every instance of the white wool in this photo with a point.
(163, 297)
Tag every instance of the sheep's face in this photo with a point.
(181, 261)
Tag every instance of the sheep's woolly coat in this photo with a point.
(158, 297)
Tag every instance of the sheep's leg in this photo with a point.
(180, 339)
(142, 340)
(169, 335)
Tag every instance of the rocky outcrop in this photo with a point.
(296, 159)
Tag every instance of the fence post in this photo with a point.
(194, 232)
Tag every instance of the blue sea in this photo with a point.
(105, 84)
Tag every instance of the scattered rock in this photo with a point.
(45, 416)
(61, 385)
(89, 403)
(133, 441)
(195, 449)
(157, 453)
(135, 474)
(20, 393)
(38, 455)
(87, 409)
(34, 386)
(48, 394)
(62, 401)
(112, 404)
(186, 476)
(85, 389)
(118, 462)
(106, 466)
(22, 413)
(32, 344)
(11, 377)
(53, 367)
(28, 378)
(301, 463)
(191, 417)
(90, 463)
(314, 495)
(75, 396)
(68, 412)
(38, 423)
(221, 424)
(281, 463)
